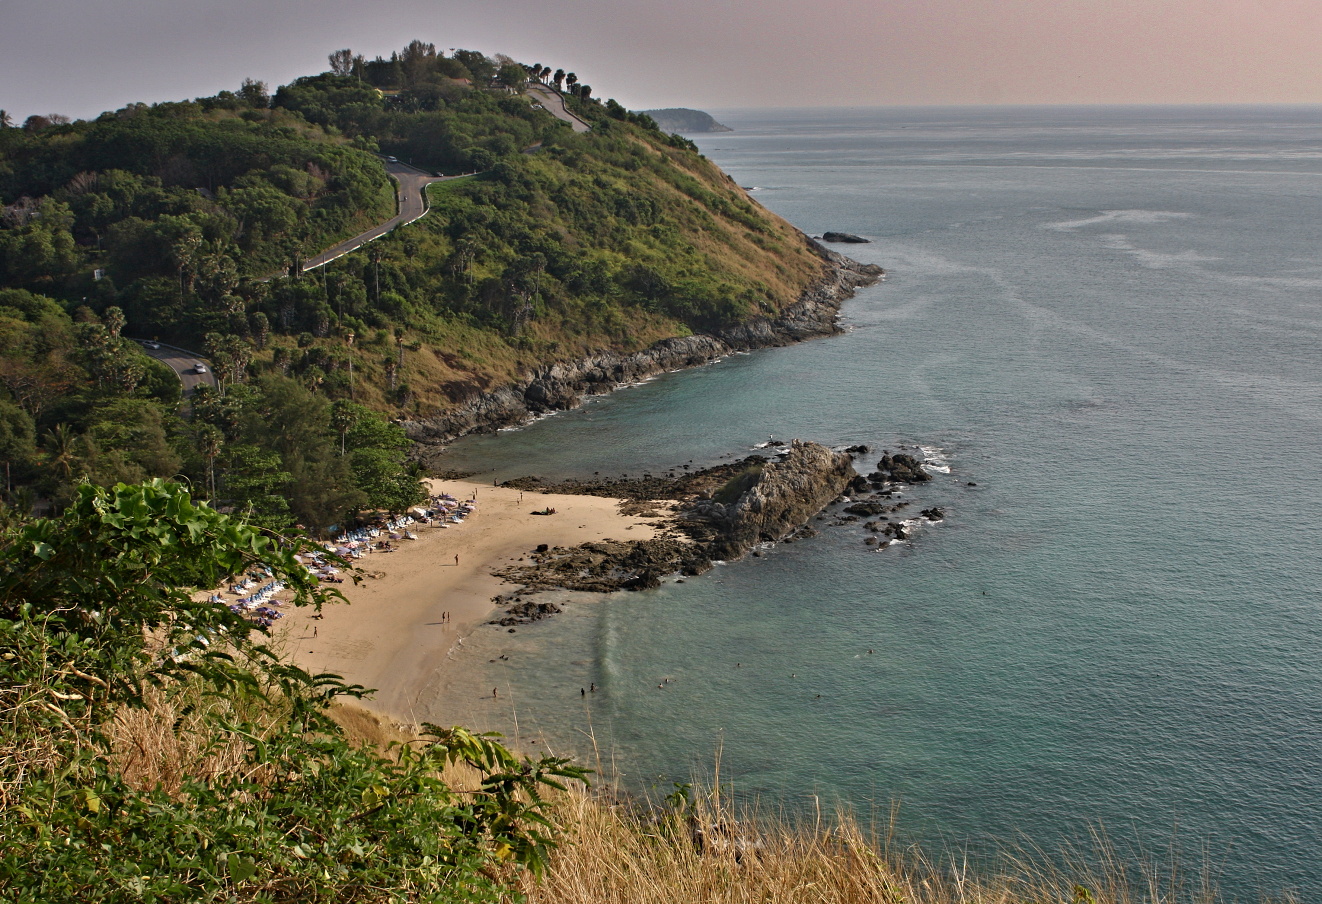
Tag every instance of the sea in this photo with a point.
(1102, 330)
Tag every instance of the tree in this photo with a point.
(210, 440)
(41, 250)
(62, 448)
(230, 356)
(417, 60)
(559, 79)
(261, 329)
(344, 415)
(256, 485)
(255, 94)
(342, 62)
(571, 80)
(6, 121)
(513, 76)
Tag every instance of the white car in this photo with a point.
(392, 160)
(148, 343)
(199, 368)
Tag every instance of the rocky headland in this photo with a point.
(563, 385)
(685, 121)
(714, 514)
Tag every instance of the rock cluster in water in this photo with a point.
(723, 512)
(717, 513)
(899, 468)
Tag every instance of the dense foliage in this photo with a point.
(179, 221)
(97, 623)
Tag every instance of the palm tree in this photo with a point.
(209, 442)
(344, 416)
(6, 121)
(62, 444)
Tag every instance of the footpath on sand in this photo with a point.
(417, 602)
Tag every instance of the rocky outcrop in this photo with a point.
(522, 611)
(747, 503)
(563, 385)
(778, 500)
(901, 468)
(608, 565)
(847, 237)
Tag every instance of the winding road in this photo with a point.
(183, 362)
(554, 103)
(411, 182)
(411, 202)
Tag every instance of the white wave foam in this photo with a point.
(934, 459)
(1120, 216)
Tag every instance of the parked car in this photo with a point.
(148, 343)
(199, 368)
(392, 160)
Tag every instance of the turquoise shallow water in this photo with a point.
(1111, 321)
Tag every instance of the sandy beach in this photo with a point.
(392, 636)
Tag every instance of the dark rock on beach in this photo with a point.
(524, 612)
(848, 237)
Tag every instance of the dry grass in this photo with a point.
(173, 738)
(612, 854)
(615, 851)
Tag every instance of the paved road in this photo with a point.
(555, 105)
(181, 361)
(411, 196)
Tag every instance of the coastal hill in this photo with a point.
(561, 262)
(685, 121)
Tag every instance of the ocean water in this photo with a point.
(1110, 321)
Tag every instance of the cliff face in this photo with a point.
(783, 498)
(563, 385)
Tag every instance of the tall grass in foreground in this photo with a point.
(614, 854)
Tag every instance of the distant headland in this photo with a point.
(685, 121)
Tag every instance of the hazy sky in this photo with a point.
(79, 57)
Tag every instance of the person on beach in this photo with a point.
(456, 559)
(495, 693)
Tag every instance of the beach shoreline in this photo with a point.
(414, 606)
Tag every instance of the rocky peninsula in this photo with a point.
(714, 514)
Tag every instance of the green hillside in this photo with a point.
(186, 222)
